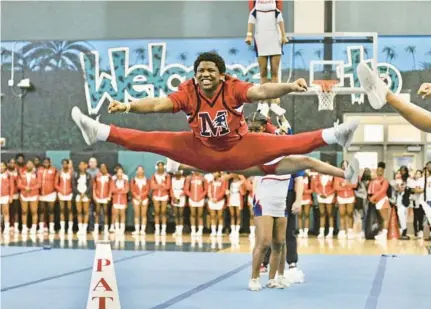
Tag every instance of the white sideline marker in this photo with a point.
(103, 292)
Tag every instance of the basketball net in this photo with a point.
(325, 93)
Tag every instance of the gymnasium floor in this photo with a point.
(167, 273)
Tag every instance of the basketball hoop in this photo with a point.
(325, 93)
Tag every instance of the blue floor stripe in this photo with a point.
(376, 288)
(201, 287)
(70, 273)
(20, 253)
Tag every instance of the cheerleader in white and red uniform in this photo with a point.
(82, 189)
(7, 188)
(140, 188)
(15, 203)
(304, 213)
(249, 187)
(47, 175)
(119, 189)
(160, 187)
(346, 202)
(196, 190)
(102, 196)
(216, 203)
(63, 186)
(324, 188)
(178, 200)
(29, 188)
(235, 201)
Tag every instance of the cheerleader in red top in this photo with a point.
(63, 186)
(102, 196)
(178, 200)
(346, 202)
(29, 187)
(196, 190)
(249, 187)
(15, 204)
(82, 189)
(160, 186)
(7, 188)
(324, 187)
(47, 176)
(307, 201)
(216, 202)
(234, 201)
(119, 189)
(140, 188)
(20, 163)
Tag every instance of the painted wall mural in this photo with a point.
(94, 72)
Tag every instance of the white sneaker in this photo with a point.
(213, 234)
(172, 166)
(273, 284)
(341, 235)
(352, 171)
(135, 233)
(277, 109)
(283, 281)
(350, 235)
(373, 85)
(420, 235)
(254, 285)
(381, 236)
(344, 132)
(321, 235)
(263, 108)
(329, 236)
(295, 275)
(87, 125)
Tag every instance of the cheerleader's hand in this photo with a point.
(296, 207)
(284, 40)
(299, 85)
(425, 90)
(248, 39)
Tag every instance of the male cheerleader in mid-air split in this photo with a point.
(219, 140)
(379, 94)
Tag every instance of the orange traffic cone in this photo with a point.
(393, 229)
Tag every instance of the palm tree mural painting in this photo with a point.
(299, 53)
(233, 51)
(318, 53)
(141, 54)
(183, 58)
(412, 50)
(391, 53)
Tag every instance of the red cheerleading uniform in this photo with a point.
(219, 138)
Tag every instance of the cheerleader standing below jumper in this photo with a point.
(101, 196)
(160, 186)
(178, 200)
(324, 187)
(196, 190)
(140, 187)
(63, 185)
(216, 202)
(47, 176)
(119, 189)
(6, 184)
(82, 188)
(236, 192)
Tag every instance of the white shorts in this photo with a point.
(200, 203)
(49, 197)
(250, 200)
(85, 198)
(161, 198)
(216, 205)
(345, 200)
(270, 208)
(119, 206)
(137, 203)
(181, 202)
(382, 202)
(235, 200)
(4, 200)
(16, 196)
(30, 199)
(326, 200)
(62, 197)
(306, 202)
(101, 200)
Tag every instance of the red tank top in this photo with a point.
(218, 122)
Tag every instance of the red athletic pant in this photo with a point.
(252, 150)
